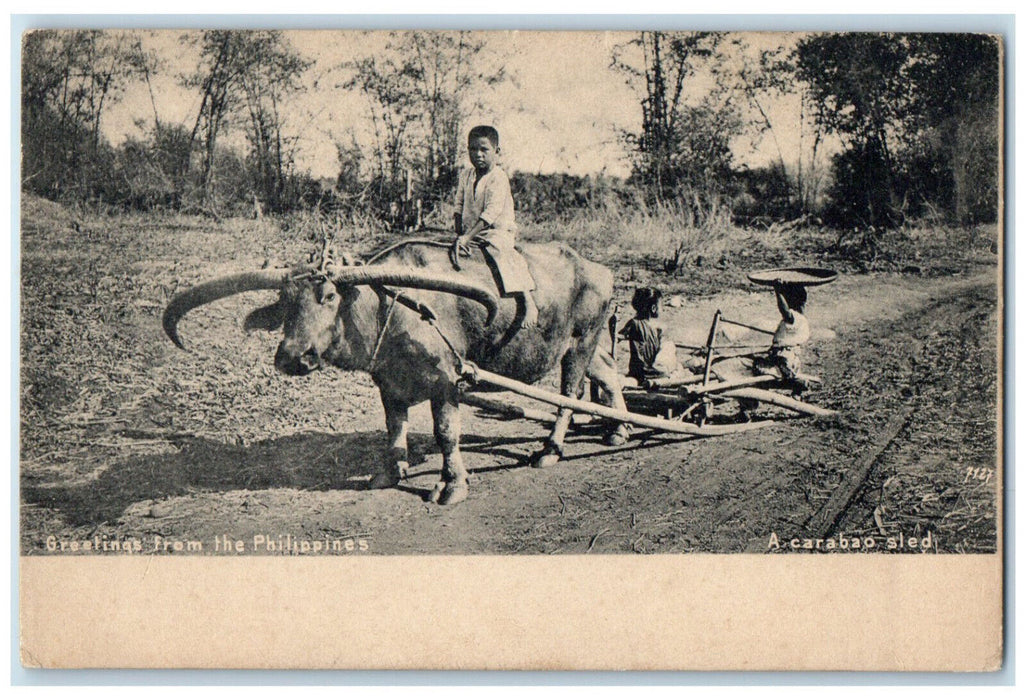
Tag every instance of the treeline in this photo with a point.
(71, 78)
(916, 116)
(892, 127)
(919, 119)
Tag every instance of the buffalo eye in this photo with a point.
(327, 293)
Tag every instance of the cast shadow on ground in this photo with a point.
(516, 452)
(307, 461)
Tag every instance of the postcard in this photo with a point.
(511, 350)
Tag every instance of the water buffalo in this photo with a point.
(346, 316)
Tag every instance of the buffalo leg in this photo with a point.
(603, 372)
(396, 416)
(445, 409)
(573, 375)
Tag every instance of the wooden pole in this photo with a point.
(669, 426)
(745, 325)
(822, 523)
(613, 322)
(658, 382)
(507, 409)
(736, 384)
(675, 383)
(777, 400)
(709, 347)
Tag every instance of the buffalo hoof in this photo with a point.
(391, 478)
(384, 481)
(617, 437)
(544, 460)
(447, 493)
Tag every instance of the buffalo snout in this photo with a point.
(289, 362)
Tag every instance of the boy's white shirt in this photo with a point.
(792, 334)
(489, 199)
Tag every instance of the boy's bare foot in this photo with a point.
(530, 312)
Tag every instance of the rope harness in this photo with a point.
(464, 368)
(381, 334)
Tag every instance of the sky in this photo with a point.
(563, 110)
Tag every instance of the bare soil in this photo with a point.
(124, 436)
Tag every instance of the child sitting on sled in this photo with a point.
(652, 354)
(792, 332)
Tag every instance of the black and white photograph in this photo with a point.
(358, 294)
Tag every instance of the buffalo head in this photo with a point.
(312, 304)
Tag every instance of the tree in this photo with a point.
(861, 92)
(394, 110)
(763, 77)
(422, 86)
(959, 79)
(69, 78)
(246, 75)
(273, 76)
(918, 115)
(449, 67)
(350, 158)
(683, 149)
(152, 172)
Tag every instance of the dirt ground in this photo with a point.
(125, 438)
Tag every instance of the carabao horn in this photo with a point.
(213, 290)
(417, 278)
(408, 277)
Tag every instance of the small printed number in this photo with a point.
(983, 474)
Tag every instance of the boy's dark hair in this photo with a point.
(646, 301)
(488, 132)
(795, 295)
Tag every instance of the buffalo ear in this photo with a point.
(266, 318)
